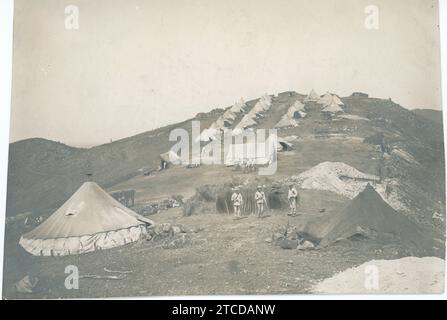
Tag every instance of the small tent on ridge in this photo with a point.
(312, 97)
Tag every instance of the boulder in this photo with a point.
(166, 227)
(178, 242)
(288, 244)
(277, 236)
(158, 229)
(176, 229)
(306, 245)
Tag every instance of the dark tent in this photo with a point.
(368, 215)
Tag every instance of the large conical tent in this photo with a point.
(368, 214)
(90, 220)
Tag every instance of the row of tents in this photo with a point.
(228, 118)
(230, 115)
(258, 153)
(251, 118)
(291, 117)
(331, 102)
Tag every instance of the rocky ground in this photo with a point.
(208, 253)
(197, 255)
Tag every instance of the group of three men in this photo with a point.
(260, 200)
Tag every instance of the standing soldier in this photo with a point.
(236, 198)
(293, 198)
(260, 200)
(251, 165)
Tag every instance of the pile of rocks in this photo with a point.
(172, 236)
(153, 208)
(287, 237)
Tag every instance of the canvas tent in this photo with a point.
(246, 121)
(336, 99)
(332, 108)
(263, 104)
(368, 215)
(239, 106)
(260, 153)
(285, 121)
(258, 109)
(312, 97)
(218, 124)
(90, 220)
(266, 101)
(224, 120)
(296, 111)
(229, 115)
(170, 158)
(326, 99)
(284, 145)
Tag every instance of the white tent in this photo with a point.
(239, 106)
(297, 107)
(336, 99)
(296, 111)
(90, 220)
(329, 98)
(171, 157)
(246, 121)
(312, 97)
(218, 124)
(286, 122)
(258, 109)
(266, 102)
(238, 131)
(229, 115)
(326, 99)
(332, 108)
(259, 153)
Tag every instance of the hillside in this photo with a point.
(433, 115)
(409, 150)
(373, 141)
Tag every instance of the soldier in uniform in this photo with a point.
(293, 199)
(260, 200)
(236, 198)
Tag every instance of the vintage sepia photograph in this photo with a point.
(208, 148)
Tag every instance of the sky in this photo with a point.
(136, 65)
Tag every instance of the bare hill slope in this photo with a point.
(377, 137)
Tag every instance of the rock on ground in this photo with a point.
(408, 275)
